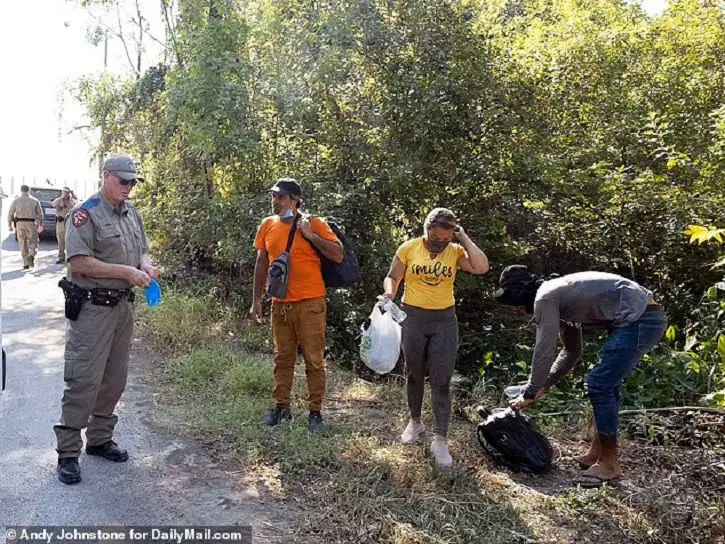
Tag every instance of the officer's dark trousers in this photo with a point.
(96, 366)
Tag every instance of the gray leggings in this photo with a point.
(430, 346)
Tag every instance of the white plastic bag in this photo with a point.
(380, 342)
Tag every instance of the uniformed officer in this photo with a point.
(107, 256)
(26, 215)
(63, 206)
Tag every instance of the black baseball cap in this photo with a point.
(515, 280)
(286, 186)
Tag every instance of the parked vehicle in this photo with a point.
(47, 195)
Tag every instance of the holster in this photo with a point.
(75, 298)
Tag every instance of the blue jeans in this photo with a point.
(624, 348)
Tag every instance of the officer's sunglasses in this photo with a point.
(124, 182)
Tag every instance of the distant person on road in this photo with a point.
(299, 319)
(107, 257)
(428, 266)
(26, 216)
(63, 206)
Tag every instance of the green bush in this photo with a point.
(566, 135)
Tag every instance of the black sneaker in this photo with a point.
(314, 422)
(60, 261)
(69, 471)
(108, 450)
(277, 416)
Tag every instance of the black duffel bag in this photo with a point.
(512, 439)
(344, 274)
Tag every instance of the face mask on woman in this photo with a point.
(436, 246)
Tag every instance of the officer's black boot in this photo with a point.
(108, 450)
(69, 471)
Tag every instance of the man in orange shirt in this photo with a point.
(299, 319)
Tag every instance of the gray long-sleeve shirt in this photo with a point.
(564, 306)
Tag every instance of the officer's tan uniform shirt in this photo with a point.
(112, 235)
(63, 207)
(26, 207)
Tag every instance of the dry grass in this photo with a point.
(357, 484)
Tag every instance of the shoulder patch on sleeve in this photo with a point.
(91, 203)
(79, 217)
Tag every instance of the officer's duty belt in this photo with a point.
(105, 297)
(18, 219)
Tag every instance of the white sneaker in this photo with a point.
(412, 432)
(439, 449)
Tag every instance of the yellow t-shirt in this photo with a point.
(429, 282)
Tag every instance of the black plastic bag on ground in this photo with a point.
(512, 439)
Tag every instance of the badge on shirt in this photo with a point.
(80, 218)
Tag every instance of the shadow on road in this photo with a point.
(47, 243)
(10, 243)
(13, 275)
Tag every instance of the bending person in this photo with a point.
(562, 307)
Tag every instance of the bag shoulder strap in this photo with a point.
(335, 229)
(319, 253)
(292, 233)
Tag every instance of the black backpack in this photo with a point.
(344, 274)
(512, 439)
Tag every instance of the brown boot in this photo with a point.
(592, 456)
(607, 468)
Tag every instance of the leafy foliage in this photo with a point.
(567, 135)
(704, 346)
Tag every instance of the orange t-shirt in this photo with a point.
(305, 277)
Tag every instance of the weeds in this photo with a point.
(358, 484)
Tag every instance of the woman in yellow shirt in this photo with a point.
(430, 333)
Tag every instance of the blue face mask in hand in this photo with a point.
(153, 293)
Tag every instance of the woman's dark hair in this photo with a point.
(441, 217)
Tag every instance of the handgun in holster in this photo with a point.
(75, 298)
